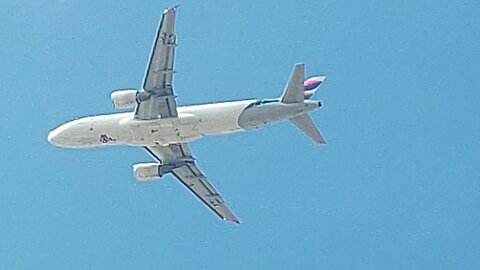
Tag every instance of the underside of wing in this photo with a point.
(156, 99)
(192, 178)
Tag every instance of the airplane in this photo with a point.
(163, 129)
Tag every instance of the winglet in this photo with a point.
(293, 92)
(236, 220)
(232, 218)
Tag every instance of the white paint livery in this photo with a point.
(165, 130)
(145, 172)
(124, 99)
(193, 122)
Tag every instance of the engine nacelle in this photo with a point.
(146, 171)
(150, 171)
(124, 99)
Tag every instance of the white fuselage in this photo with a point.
(193, 122)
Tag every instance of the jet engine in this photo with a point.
(146, 171)
(124, 99)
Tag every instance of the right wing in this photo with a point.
(192, 178)
(156, 99)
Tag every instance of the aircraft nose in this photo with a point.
(53, 137)
(74, 134)
(50, 137)
(58, 136)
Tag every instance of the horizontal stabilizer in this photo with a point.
(304, 123)
(293, 92)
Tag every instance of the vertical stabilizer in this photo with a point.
(304, 123)
(293, 92)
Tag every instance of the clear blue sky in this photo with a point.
(396, 187)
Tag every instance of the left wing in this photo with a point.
(156, 99)
(184, 168)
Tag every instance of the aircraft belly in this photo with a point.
(161, 131)
(105, 130)
(192, 123)
(163, 136)
(118, 129)
(255, 117)
(218, 118)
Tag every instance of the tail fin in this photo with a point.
(304, 123)
(293, 92)
(297, 90)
